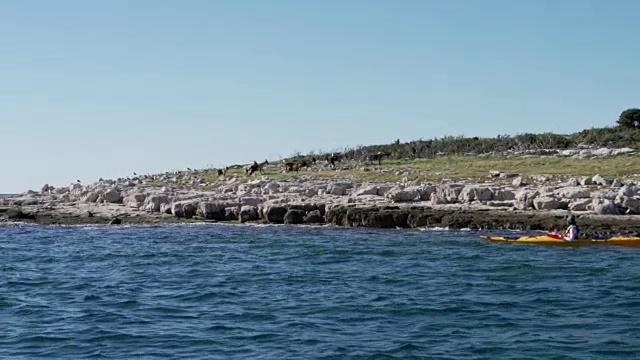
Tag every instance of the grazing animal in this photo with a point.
(288, 166)
(377, 157)
(223, 171)
(250, 170)
(295, 166)
(333, 159)
(304, 164)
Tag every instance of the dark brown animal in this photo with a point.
(223, 171)
(333, 158)
(250, 170)
(291, 166)
(377, 157)
(295, 166)
(304, 164)
(287, 166)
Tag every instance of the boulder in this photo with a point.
(190, 209)
(46, 189)
(548, 203)
(438, 199)
(450, 192)
(271, 188)
(605, 207)
(231, 213)
(503, 195)
(585, 181)
(184, 209)
(402, 195)
(424, 191)
(294, 216)
(572, 182)
(113, 196)
(579, 204)
(75, 187)
(154, 202)
(274, 213)
(211, 210)
(18, 214)
(248, 213)
(525, 194)
(91, 197)
(61, 190)
(337, 189)
(366, 190)
(29, 201)
(628, 191)
(573, 192)
(475, 193)
(609, 194)
(518, 182)
(166, 208)
(134, 200)
(382, 189)
(601, 180)
(306, 207)
(314, 217)
(630, 205)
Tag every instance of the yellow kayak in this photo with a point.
(554, 240)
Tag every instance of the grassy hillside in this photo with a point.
(454, 158)
(455, 167)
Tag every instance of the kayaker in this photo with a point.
(573, 230)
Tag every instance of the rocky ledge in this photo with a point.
(504, 201)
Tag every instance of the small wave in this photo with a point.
(435, 228)
(223, 328)
(12, 223)
(129, 303)
(91, 297)
(46, 339)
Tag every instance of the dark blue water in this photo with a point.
(233, 292)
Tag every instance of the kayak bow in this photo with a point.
(553, 240)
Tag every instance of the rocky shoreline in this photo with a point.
(503, 201)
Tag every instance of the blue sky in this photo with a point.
(102, 89)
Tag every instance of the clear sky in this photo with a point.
(93, 89)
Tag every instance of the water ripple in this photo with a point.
(219, 291)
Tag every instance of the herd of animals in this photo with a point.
(289, 166)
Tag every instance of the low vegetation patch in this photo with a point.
(453, 167)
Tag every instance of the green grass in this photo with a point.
(459, 166)
(455, 168)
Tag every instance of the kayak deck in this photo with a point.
(552, 240)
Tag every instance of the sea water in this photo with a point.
(285, 292)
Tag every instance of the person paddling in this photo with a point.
(573, 230)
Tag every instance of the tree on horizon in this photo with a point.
(630, 118)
